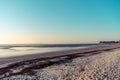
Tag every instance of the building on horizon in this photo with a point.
(106, 42)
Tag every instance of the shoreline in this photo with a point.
(15, 59)
(27, 65)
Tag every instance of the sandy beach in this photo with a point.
(59, 39)
(85, 64)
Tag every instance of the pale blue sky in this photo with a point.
(59, 21)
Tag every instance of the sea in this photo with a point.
(10, 50)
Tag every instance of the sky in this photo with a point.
(59, 21)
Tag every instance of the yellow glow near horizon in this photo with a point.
(22, 39)
(11, 37)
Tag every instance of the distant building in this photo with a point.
(106, 42)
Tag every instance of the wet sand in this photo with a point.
(9, 60)
(45, 61)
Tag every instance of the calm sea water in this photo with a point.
(17, 50)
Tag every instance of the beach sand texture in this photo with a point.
(99, 65)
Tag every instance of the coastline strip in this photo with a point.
(48, 60)
(15, 59)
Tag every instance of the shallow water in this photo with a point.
(8, 51)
